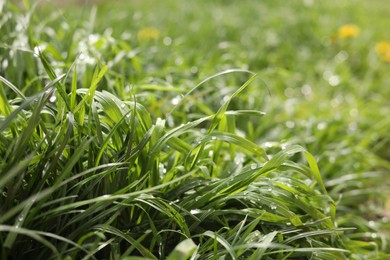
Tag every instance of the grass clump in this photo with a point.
(116, 146)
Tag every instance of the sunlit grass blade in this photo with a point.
(90, 93)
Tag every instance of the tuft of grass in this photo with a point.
(112, 147)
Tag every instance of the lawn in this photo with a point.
(194, 129)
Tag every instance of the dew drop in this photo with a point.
(334, 80)
(167, 41)
(321, 126)
(179, 61)
(306, 90)
(290, 124)
(195, 211)
(21, 218)
(194, 70)
(176, 100)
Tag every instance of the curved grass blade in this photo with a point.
(222, 241)
(32, 234)
(13, 87)
(207, 79)
(143, 250)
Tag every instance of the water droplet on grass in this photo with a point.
(194, 70)
(167, 41)
(21, 218)
(195, 211)
(290, 124)
(176, 100)
(173, 202)
(321, 126)
(334, 80)
(179, 61)
(306, 90)
(354, 112)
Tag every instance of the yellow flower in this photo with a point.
(348, 31)
(383, 50)
(148, 33)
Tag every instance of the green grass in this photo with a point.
(238, 131)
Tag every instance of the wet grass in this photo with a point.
(200, 130)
